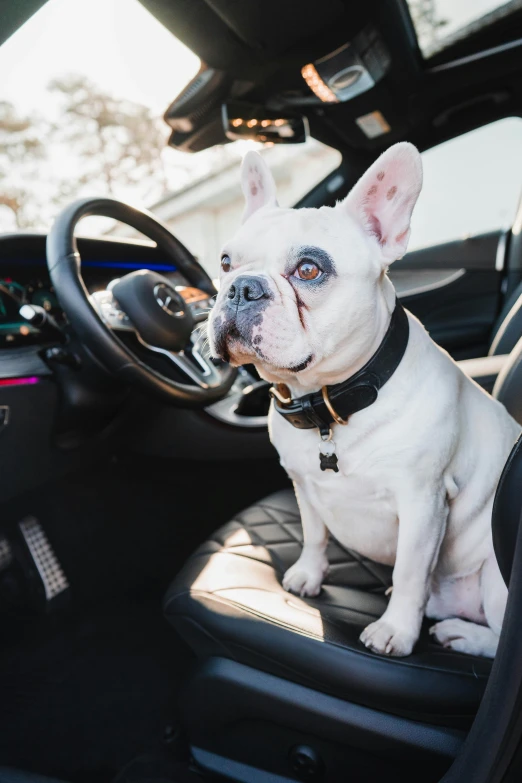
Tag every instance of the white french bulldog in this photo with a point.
(305, 297)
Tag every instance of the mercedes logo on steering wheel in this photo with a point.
(169, 300)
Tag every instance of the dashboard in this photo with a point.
(24, 279)
(62, 417)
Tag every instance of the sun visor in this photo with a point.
(277, 25)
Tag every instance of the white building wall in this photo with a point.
(205, 215)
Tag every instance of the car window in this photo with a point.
(441, 23)
(208, 213)
(472, 184)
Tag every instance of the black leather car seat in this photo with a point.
(508, 328)
(229, 601)
(9, 775)
(229, 605)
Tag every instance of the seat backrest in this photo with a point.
(508, 499)
(508, 386)
(507, 511)
(508, 329)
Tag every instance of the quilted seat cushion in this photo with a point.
(228, 601)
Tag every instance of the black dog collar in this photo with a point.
(334, 404)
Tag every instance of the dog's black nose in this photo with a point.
(245, 290)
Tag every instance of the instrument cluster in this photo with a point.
(15, 292)
(35, 288)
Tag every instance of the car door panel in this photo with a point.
(455, 290)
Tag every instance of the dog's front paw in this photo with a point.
(305, 578)
(465, 637)
(383, 637)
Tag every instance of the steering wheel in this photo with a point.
(143, 306)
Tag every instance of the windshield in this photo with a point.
(83, 87)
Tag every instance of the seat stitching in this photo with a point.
(263, 656)
(218, 592)
(282, 525)
(326, 604)
(290, 533)
(352, 556)
(312, 683)
(295, 514)
(268, 523)
(281, 565)
(394, 661)
(249, 557)
(320, 688)
(274, 509)
(364, 564)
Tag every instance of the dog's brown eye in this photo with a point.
(226, 263)
(307, 270)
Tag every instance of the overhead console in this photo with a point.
(284, 60)
(362, 75)
(350, 70)
(214, 107)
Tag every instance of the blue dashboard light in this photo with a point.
(131, 265)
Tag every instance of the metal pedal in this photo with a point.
(51, 576)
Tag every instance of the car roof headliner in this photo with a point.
(264, 44)
(426, 102)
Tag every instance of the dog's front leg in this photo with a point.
(305, 577)
(422, 514)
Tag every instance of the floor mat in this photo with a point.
(80, 698)
(85, 698)
(126, 530)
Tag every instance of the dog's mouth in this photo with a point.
(300, 367)
(231, 334)
(254, 351)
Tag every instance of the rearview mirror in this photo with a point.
(254, 121)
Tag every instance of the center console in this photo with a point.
(247, 403)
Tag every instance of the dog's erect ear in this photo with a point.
(258, 184)
(384, 198)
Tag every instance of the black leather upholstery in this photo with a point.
(8, 775)
(506, 511)
(508, 329)
(228, 601)
(508, 385)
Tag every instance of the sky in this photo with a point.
(116, 43)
